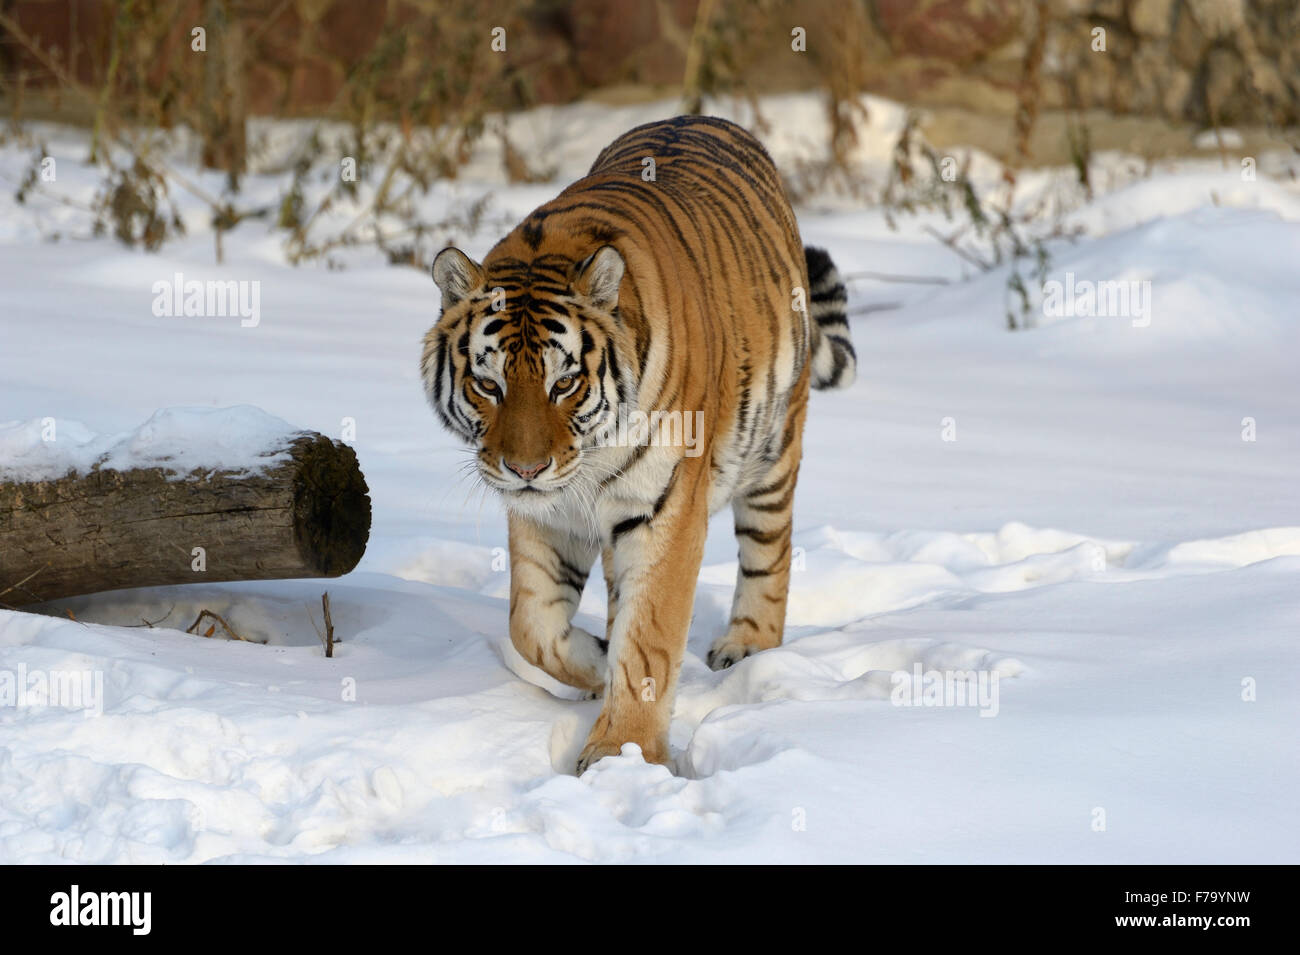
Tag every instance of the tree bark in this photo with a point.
(107, 530)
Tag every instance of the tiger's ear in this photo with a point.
(598, 276)
(456, 274)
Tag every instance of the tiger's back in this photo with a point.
(671, 281)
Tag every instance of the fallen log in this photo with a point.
(304, 513)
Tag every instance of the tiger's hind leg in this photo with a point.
(764, 520)
(548, 570)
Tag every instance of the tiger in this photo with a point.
(670, 281)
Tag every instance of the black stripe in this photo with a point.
(623, 527)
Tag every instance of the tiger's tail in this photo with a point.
(834, 363)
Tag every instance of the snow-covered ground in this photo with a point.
(1098, 517)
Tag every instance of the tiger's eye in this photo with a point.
(487, 385)
(563, 385)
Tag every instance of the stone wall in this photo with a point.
(1203, 61)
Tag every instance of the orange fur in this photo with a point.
(682, 294)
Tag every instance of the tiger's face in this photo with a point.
(526, 364)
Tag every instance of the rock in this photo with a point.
(1188, 42)
(610, 38)
(1217, 18)
(349, 30)
(314, 83)
(1225, 86)
(1153, 18)
(1174, 96)
(958, 31)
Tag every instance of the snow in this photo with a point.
(1095, 516)
(1218, 138)
(242, 440)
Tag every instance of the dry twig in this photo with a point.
(329, 625)
(19, 585)
(192, 628)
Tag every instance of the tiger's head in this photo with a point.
(528, 364)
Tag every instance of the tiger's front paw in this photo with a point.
(598, 749)
(593, 753)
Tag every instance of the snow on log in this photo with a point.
(193, 495)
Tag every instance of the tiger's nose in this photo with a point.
(528, 471)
